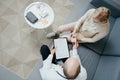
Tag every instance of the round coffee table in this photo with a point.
(43, 12)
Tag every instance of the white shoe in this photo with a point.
(50, 35)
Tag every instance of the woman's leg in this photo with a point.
(45, 51)
(65, 28)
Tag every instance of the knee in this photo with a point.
(60, 29)
(44, 48)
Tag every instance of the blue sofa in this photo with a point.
(102, 59)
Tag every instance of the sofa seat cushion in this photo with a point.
(98, 46)
(113, 44)
(89, 60)
(108, 68)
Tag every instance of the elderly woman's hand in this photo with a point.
(75, 45)
(73, 34)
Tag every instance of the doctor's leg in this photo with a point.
(45, 51)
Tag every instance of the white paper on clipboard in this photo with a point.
(61, 48)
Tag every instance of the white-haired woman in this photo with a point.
(91, 27)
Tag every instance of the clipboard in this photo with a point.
(61, 46)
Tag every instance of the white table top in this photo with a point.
(43, 12)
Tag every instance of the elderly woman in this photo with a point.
(91, 27)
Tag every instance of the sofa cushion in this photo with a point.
(113, 45)
(98, 46)
(89, 60)
(77, 13)
(108, 68)
(113, 5)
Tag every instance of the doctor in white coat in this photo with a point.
(71, 69)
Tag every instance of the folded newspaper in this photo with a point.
(61, 48)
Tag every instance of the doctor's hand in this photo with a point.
(75, 45)
(52, 50)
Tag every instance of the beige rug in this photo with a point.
(19, 43)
